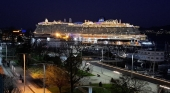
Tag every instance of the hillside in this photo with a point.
(156, 28)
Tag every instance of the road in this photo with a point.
(107, 72)
(134, 74)
(30, 87)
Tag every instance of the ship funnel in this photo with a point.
(70, 20)
(64, 20)
(46, 20)
(120, 21)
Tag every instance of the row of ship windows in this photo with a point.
(151, 53)
(125, 31)
(51, 28)
(79, 27)
(156, 58)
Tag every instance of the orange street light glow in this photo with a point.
(57, 34)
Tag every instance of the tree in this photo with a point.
(73, 63)
(127, 84)
(73, 66)
(56, 76)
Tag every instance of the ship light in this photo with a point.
(48, 39)
(66, 36)
(118, 42)
(75, 39)
(58, 35)
(146, 43)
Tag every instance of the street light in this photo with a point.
(44, 74)
(44, 77)
(132, 66)
(102, 54)
(101, 61)
(24, 70)
(132, 63)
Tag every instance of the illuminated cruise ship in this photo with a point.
(107, 32)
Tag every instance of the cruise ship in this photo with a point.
(104, 31)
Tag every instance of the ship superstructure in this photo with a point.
(109, 31)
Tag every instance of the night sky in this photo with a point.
(27, 13)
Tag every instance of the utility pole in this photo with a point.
(44, 77)
(24, 71)
(154, 63)
(101, 61)
(132, 67)
(44, 70)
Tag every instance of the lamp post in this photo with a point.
(102, 53)
(44, 75)
(132, 63)
(24, 68)
(132, 66)
(24, 71)
(101, 61)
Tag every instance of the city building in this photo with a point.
(154, 56)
